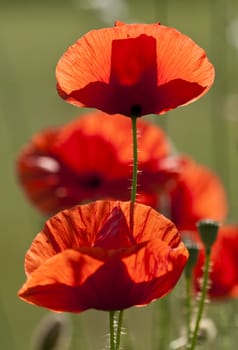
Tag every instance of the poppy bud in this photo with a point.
(193, 247)
(208, 230)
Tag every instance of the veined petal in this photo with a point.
(69, 229)
(94, 224)
(110, 69)
(150, 224)
(155, 270)
(72, 263)
(115, 232)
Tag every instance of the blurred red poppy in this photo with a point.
(87, 257)
(224, 265)
(91, 158)
(134, 69)
(197, 194)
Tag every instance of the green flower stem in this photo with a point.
(115, 325)
(115, 339)
(188, 281)
(119, 328)
(115, 336)
(134, 173)
(135, 160)
(192, 345)
(112, 331)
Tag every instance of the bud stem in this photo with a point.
(188, 281)
(191, 346)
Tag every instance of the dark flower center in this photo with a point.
(136, 110)
(92, 181)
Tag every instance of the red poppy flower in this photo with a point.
(224, 265)
(87, 257)
(134, 69)
(198, 193)
(91, 158)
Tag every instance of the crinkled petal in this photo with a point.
(75, 281)
(87, 225)
(69, 229)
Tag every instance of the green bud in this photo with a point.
(208, 230)
(193, 248)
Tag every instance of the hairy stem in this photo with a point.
(194, 337)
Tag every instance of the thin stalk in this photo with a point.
(134, 172)
(188, 282)
(115, 341)
(119, 328)
(192, 345)
(135, 160)
(112, 331)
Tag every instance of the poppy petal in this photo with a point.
(176, 71)
(149, 224)
(85, 226)
(72, 164)
(155, 269)
(73, 282)
(198, 194)
(115, 232)
(54, 283)
(69, 229)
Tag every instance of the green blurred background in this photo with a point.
(33, 35)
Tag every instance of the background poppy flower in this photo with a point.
(224, 265)
(91, 158)
(134, 69)
(72, 263)
(196, 194)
